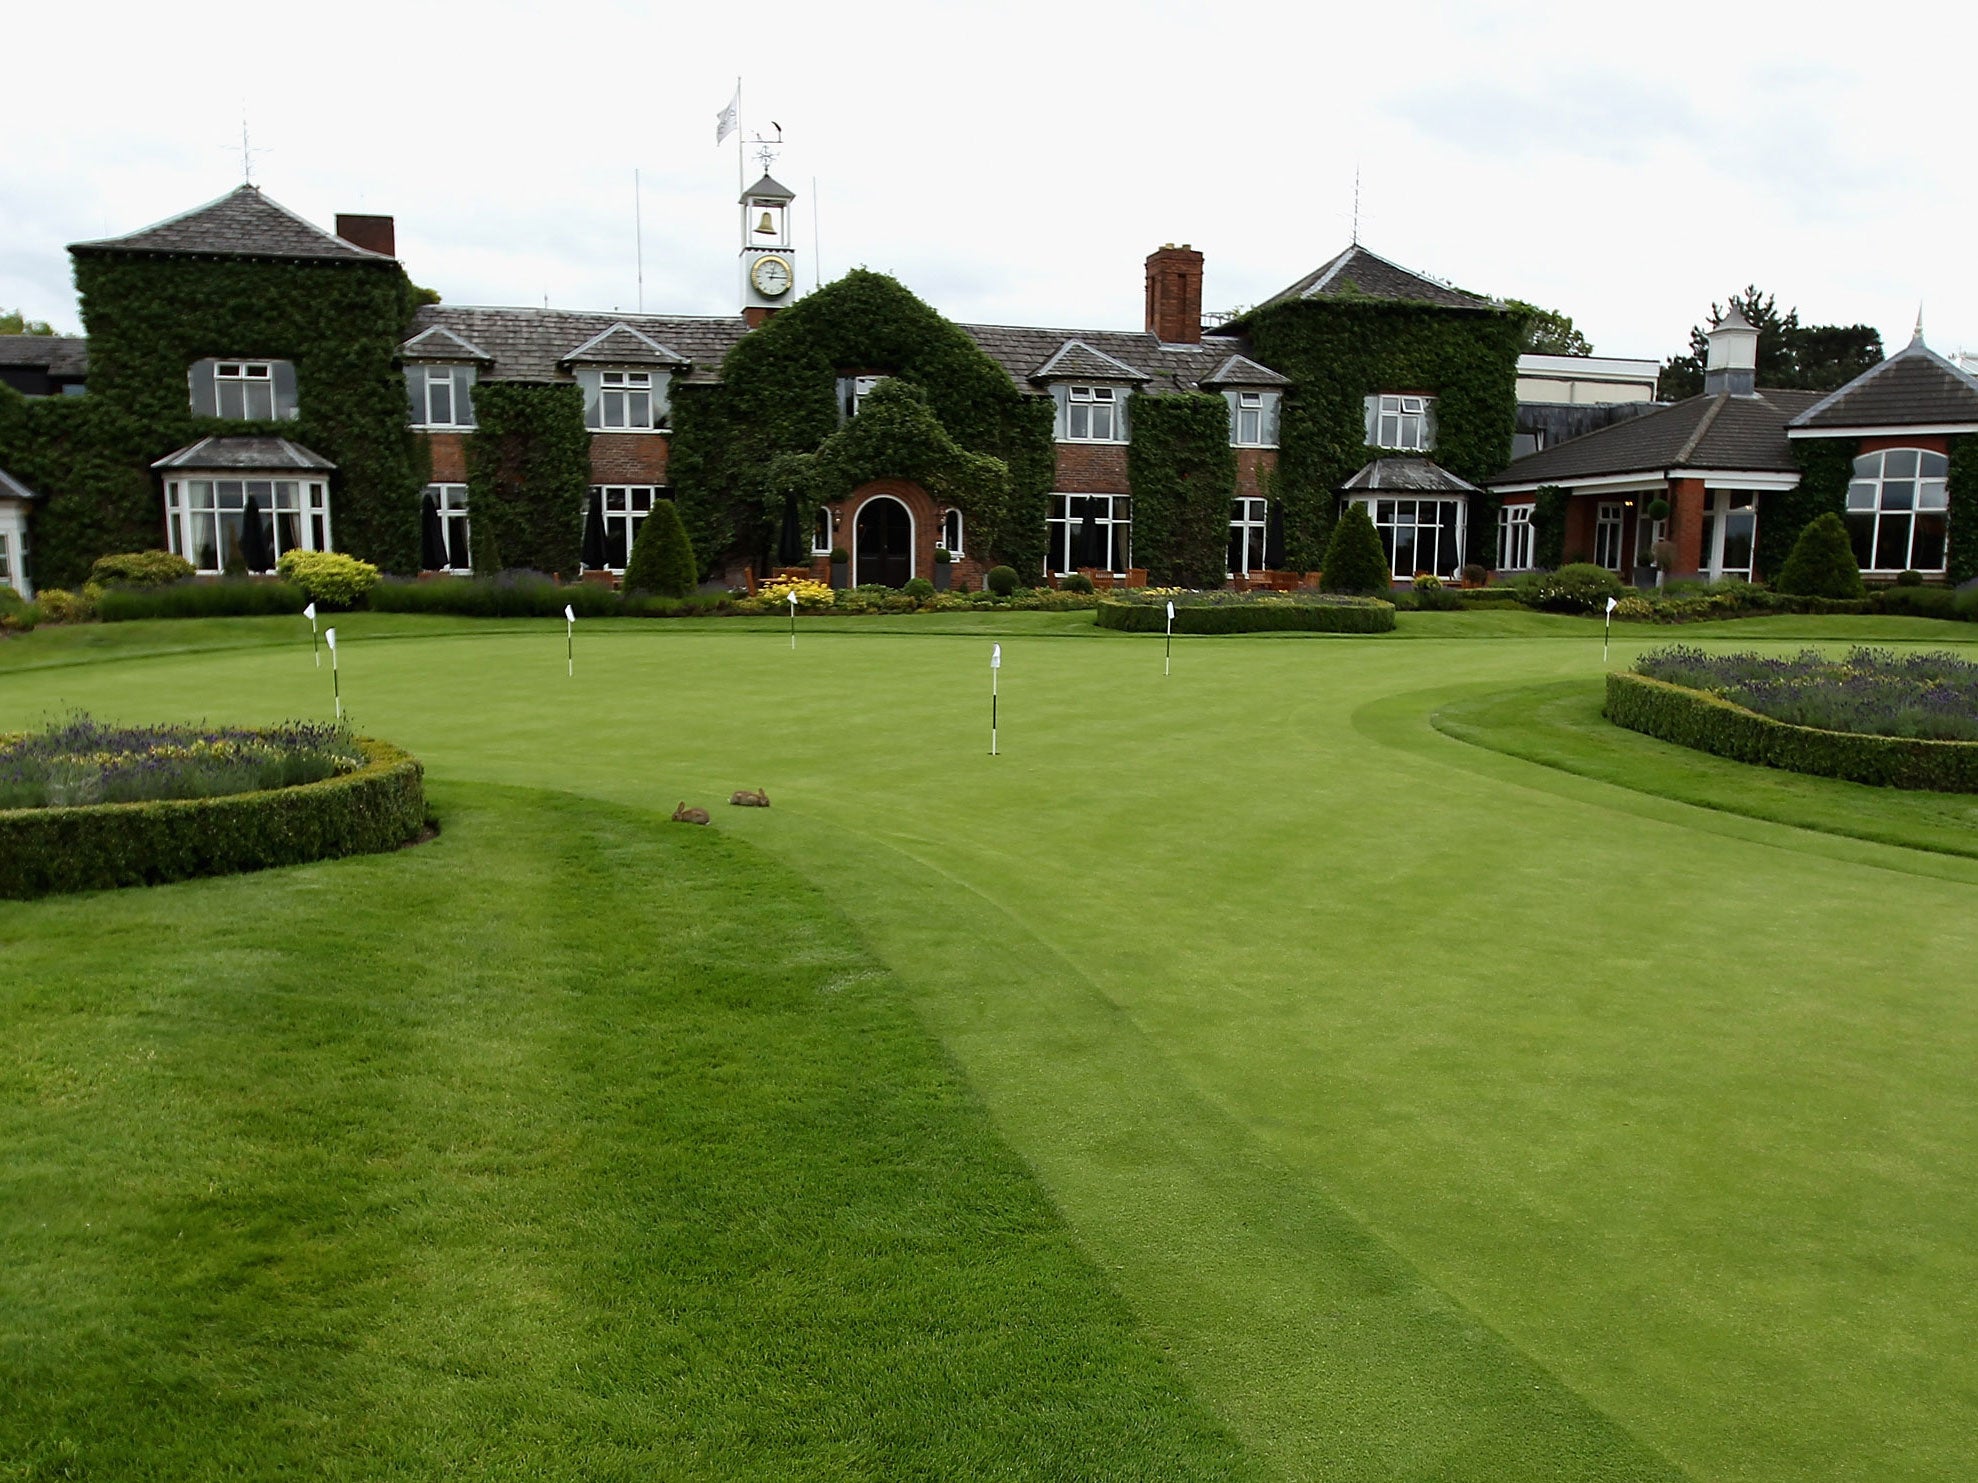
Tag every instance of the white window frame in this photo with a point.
(1094, 414)
(459, 381)
(194, 499)
(452, 501)
(951, 526)
(624, 399)
(1252, 419)
(245, 379)
(1869, 495)
(13, 557)
(1516, 538)
(852, 392)
(1249, 535)
(1610, 524)
(1404, 421)
(1720, 508)
(1113, 515)
(248, 376)
(626, 506)
(822, 532)
(1393, 514)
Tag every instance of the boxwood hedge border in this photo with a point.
(46, 851)
(1709, 723)
(1286, 617)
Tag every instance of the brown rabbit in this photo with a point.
(745, 798)
(685, 815)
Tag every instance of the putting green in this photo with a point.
(1444, 1113)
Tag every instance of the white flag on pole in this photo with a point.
(1613, 603)
(569, 616)
(996, 657)
(1170, 610)
(330, 638)
(310, 612)
(724, 121)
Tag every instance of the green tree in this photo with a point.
(1355, 560)
(662, 558)
(14, 322)
(1548, 332)
(1822, 562)
(1792, 356)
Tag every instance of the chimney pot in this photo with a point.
(373, 233)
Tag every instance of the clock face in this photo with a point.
(771, 276)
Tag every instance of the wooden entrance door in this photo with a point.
(884, 552)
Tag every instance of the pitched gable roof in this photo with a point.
(12, 488)
(262, 454)
(58, 355)
(1240, 370)
(1075, 360)
(534, 344)
(1745, 433)
(1359, 274)
(437, 342)
(242, 223)
(621, 345)
(1410, 476)
(1915, 387)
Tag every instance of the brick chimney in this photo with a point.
(1174, 295)
(374, 233)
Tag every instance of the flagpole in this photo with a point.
(1168, 662)
(570, 640)
(1607, 632)
(336, 685)
(995, 669)
(741, 174)
(315, 647)
(793, 617)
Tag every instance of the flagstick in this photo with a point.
(793, 618)
(315, 647)
(1167, 661)
(570, 641)
(1607, 631)
(336, 684)
(995, 668)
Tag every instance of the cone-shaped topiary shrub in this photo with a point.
(1822, 562)
(662, 557)
(1354, 560)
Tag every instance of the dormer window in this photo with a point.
(244, 390)
(1092, 414)
(852, 392)
(1401, 421)
(441, 396)
(624, 401)
(1252, 418)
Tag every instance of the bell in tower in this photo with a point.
(769, 268)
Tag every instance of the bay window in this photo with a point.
(1898, 510)
(1420, 536)
(206, 519)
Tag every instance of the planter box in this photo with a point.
(944, 575)
(841, 573)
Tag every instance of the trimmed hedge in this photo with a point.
(1692, 718)
(229, 597)
(1364, 615)
(47, 850)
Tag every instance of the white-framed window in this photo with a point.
(1252, 418)
(852, 392)
(1609, 521)
(624, 401)
(450, 500)
(1514, 538)
(1092, 530)
(441, 396)
(1898, 510)
(625, 509)
(1396, 420)
(206, 519)
(1730, 533)
(951, 531)
(820, 532)
(244, 390)
(8, 576)
(14, 550)
(1092, 414)
(1420, 535)
(1249, 535)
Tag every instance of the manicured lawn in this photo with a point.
(1438, 1112)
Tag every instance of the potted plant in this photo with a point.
(944, 571)
(841, 566)
(1663, 554)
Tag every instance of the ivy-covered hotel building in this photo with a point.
(242, 364)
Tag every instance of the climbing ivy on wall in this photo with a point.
(1962, 490)
(1183, 473)
(1339, 352)
(1825, 465)
(148, 320)
(529, 474)
(778, 395)
(1548, 528)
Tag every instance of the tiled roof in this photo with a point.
(258, 455)
(1408, 476)
(1915, 387)
(532, 344)
(1702, 432)
(1077, 361)
(59, 355)
(769, 189)
(1240, 370)
(1359, 274)
(242, 223)
(437, 342)
(1022, 349)
(12, 488)
(623, 345)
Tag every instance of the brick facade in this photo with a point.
(1092, 468)
(628, 458)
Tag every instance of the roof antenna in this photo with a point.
(1356, 205)
(1918, 339)
(247, 151)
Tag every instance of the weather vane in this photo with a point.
(765, 149)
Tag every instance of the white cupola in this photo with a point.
(1733, 363)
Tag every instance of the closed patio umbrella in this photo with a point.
(254, 552)
(594, 559)
(1274, 537)
(432, 537)
(789, 548)
(1088, 541)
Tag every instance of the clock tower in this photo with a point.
(769, 264)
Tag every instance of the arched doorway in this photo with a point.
(882, 548)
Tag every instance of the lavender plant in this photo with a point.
(1877, 692)
(81, 761)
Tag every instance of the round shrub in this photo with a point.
(1577, 587)
(140, 569)
(1822, 562)
(919, 589)
(1658, 509)
(329, 577)
(58, 605)
(942, 556)
(1355, 561)
(662, 559)
(1432, 597)
(1076, 582)
(15, 611)
(1001, 580)
(1909, 579)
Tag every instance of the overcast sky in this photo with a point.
(1015, 162)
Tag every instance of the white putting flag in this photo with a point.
(569, 616)
(996, 657)
(1613, 603)
(310, 612)
(793, 597)
(724, 121)
(330, 638)
(1170, 610)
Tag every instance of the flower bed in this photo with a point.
(1873, 692)
(1144, 610)
(371, 798)
(80, 761)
